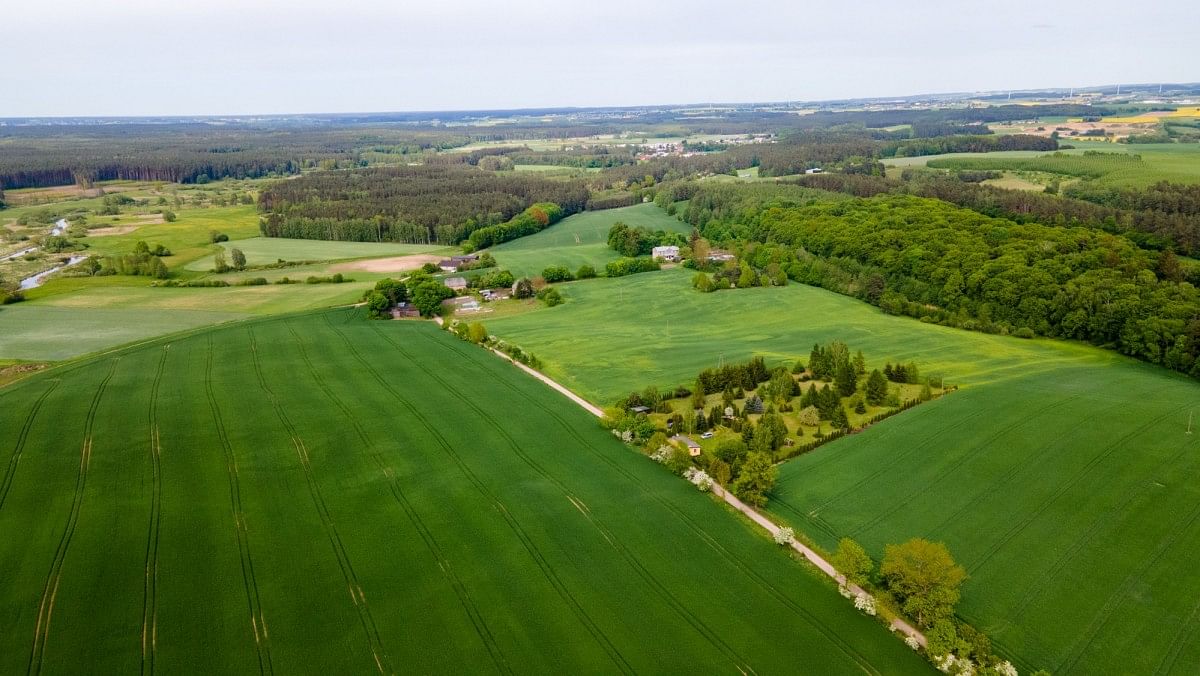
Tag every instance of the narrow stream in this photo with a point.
(36, 280)
(60, 226)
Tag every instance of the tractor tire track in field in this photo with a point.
(1167, 664)
(150, 592)
(1017, 469)
(886, 467)
(1065, 486)
(374, 641)
(547, 570)
(1034, 590)
(814, 521)
(1077, 651)
(765, 584)
(460, 590)
(10, 472)
(258, 622)
(967, 455)
(41, 635)
(715, 639)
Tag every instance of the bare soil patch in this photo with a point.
(392, 264)
(112, 230)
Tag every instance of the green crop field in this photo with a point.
(323, 494)
(264, 250)
(73, 316)
(1060, 476)
(1117, 164)
(579, 239)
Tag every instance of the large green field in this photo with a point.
(579, 239)
(1120, 165)
(1059, 476)
(264, 250)
(323, 494)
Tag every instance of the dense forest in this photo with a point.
(42, 156)
(1163, 216)
(942, 263)
(407, 204)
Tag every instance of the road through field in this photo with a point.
(807, 552)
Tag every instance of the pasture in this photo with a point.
(1118, 165)
(312, 494)
(1060, 476)
(74, 316)
(579, 239)
(265, 250)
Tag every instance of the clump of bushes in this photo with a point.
(630, 266)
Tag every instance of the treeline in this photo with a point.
(640, 241)
(967, 144)
(941, 263)
(1157, 218)
(42, 156)
(528, 222)
(407, 204)
(892, 118)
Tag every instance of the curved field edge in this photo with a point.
(441, 511)
(1058, 475)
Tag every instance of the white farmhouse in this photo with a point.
(666, 253)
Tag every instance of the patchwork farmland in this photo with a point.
(1058, 475)
(319, 493)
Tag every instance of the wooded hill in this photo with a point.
(420, 204)
(945, 264)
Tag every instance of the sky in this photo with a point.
(239, 57)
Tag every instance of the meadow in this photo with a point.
(1117, 164)
(265, 250)
(310, 494)
(579, 239)
(1059, 475)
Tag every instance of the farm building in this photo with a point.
(640, 409)
(462, 304)
(497, 294)
(403, 310)
(719, 255)
(455, 263)
(666, 253)
(456, 283)
(692, 446)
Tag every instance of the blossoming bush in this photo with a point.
(865, 603)
(785, 536)
(662, 455)
(912, 642)
(699, 478)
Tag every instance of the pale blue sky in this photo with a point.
(160, 57)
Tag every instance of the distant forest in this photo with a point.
(33, 156)
(442, 204)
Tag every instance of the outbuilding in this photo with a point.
(692, 447)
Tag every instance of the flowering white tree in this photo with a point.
(699, 478)
(953, 664)
(1006, 668)
(865, 603)
(845, 591)
(912, 642)
(662, 455)
(785, 536)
